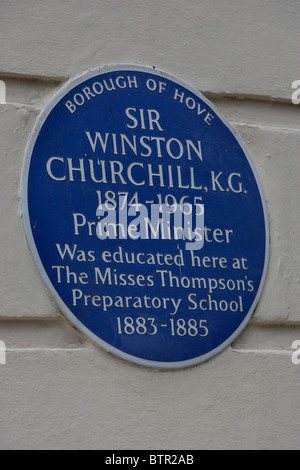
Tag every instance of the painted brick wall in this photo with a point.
(57, 389)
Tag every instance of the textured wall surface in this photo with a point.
(58, 390)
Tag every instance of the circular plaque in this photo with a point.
(145, 216)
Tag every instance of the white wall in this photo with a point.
(58, 390)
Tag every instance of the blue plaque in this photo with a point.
(145, 216)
